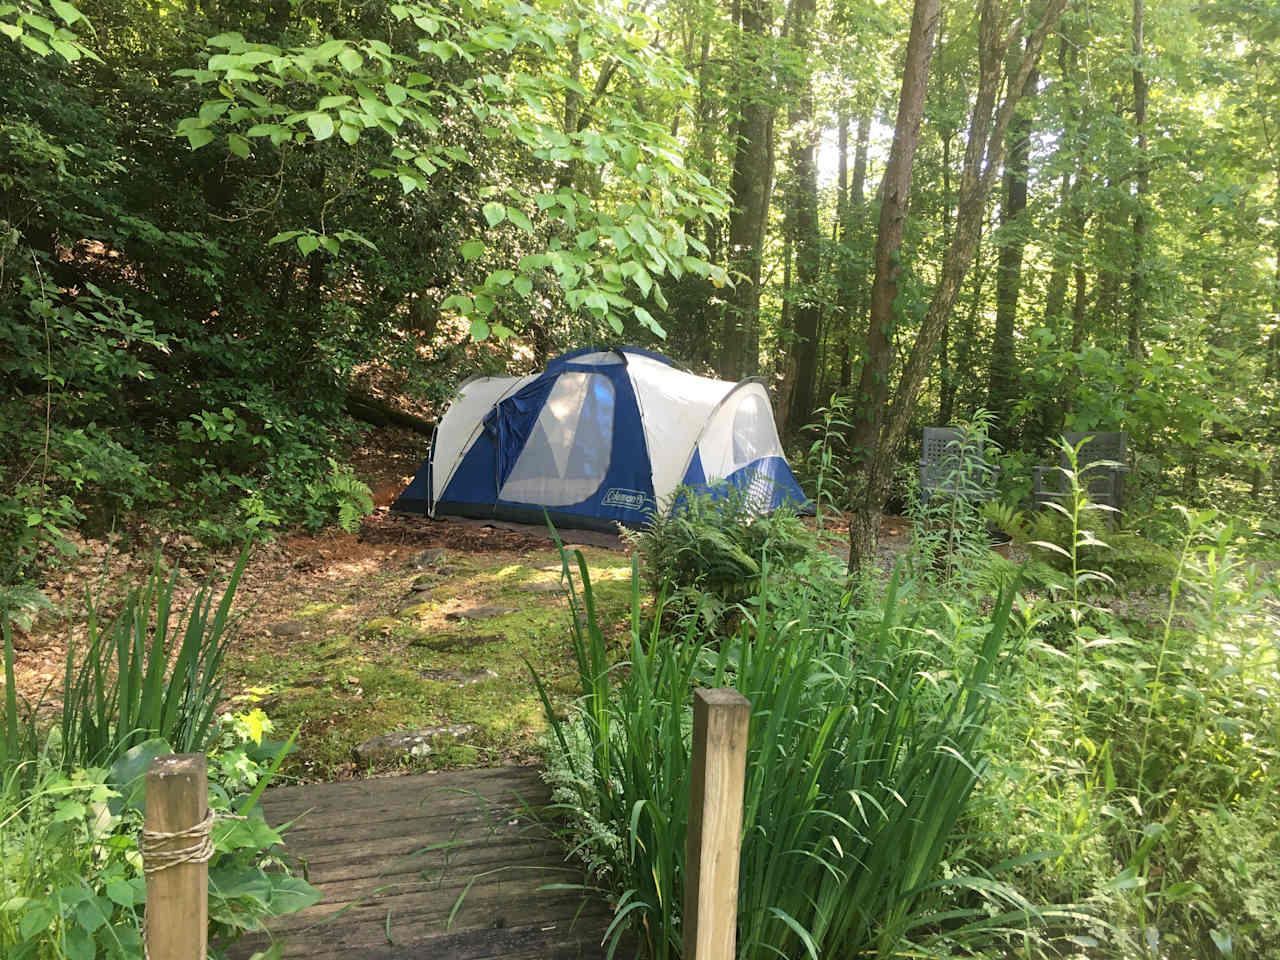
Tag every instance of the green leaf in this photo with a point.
(308, 244)
(121, 892)
(211, 110)
(501, 278)
(77, 943)
(520, 220)
(458, 302)
(284, 237)
(67, 810)
(328, 103)
(472, 249)
(128, 774)
(226, 40)
(321, 125)
(43, 24)
(291, 894)
(479, 329)
(238, 145)
(66, 11)
(349, 132)
(351, 60)
(645, 317)
(523, 286)
(395, 93)
(494, 213)
(643, 281)
(199, 137)
(36, 918)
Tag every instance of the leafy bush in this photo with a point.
(71, 878)
(341, 493)
(141, 678)
(949, 527)
(706, 549)
(1142, 753)
(861, 757)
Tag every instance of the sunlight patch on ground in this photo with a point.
(371, 660)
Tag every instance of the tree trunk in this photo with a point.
(840, 240)
(1080, 301)
(873, 386)
(749, 189)
(1137, 280)
(947, 384)
(1068, 151)
(370, 409)
(1055, 297)
(984, 154)
(853, 278)
(803, 216)
(1000, 384)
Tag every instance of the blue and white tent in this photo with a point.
(600, 437)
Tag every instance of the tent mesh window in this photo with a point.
(754, 435)
(567, 455)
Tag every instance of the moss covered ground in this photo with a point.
(360, 652)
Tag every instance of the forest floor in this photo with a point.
(409, 625)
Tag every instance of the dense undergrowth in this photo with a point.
(72, 792)
(1074, 755)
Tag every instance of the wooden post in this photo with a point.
(177, 925)
(713, 847)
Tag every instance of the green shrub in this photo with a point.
(152, 672)
(862, 753)
(704, 549)
(950, 536)
(340, 494)
(1142, 755)
(143, 677)
(71, 880)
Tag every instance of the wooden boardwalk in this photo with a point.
(446, 866)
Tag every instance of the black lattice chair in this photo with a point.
(951, 465)
(1101, 466)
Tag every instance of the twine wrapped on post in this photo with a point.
(176, 847)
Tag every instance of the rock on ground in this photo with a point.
(413, 743)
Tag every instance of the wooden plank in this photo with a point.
(362, 844)
(522, 792)
(569, 938)
(439, 871)
(507, 888)
(318, 858)
(720, 723)
(439, 863)
(549, 941)
(484, 780)
(410, 823)
(336, 821)
(177, 910)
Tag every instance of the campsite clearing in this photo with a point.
(376, 656)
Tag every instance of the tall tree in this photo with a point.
(802, 217)
(1001, 384)
(1142, 185)
(895, 193)
(749, 188)
(984, 155)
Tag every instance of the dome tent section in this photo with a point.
(601, 437)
